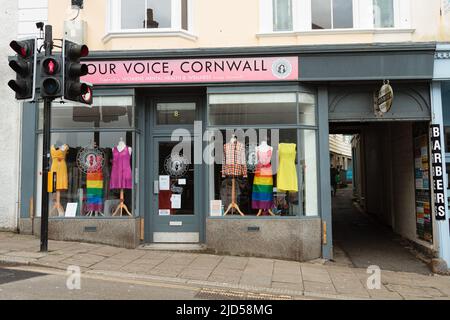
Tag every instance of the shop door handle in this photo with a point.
(156, 187)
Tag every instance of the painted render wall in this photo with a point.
(9, 121)
(235, 23)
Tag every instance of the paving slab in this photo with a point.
(238, 263)
(319, 287)
(288, 286)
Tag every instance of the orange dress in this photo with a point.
(59, 166)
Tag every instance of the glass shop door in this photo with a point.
(176, 218)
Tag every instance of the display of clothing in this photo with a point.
(234, 163)
(121, 177)
(262, 193)
(287, 172)
(59, 166)
(94, 191)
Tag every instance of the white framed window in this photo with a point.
(150, 15)
(282, 15)
(331, 14)
(311, 15)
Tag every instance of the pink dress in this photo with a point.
(121, 170)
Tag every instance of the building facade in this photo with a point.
(281, 73)
(19, 19)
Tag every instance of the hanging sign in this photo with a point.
(192, 70)
(383, 100)
(438, 172)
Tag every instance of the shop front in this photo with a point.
(225, 149)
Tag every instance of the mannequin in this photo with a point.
(234, 165)
(59, 167)
(262, 196)
(121, 177)
(121, 145)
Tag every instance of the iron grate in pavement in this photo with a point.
(227, 294)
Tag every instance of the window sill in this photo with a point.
(334, 31)
(148, 33)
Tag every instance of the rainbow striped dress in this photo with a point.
(94, 191)
(262, 193)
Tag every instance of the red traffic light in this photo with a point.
(50, 66)
(21, 48)
(77, 51)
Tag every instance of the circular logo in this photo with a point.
(90, 160)
(176, 166)
(281, 68)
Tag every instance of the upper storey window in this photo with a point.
(307, 15)
(383, 13)
(331, 14)
(150, 15)
(282, 15)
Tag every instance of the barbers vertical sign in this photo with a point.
(438, 172)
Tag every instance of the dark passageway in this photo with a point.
(366, 242)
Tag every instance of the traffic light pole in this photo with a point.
(48, 46)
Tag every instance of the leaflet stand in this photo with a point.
(122, 206)
(233, 204)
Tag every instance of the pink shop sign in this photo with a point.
(192, 70)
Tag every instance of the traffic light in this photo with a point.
(24, 66)
(74, 89)
(51, 77)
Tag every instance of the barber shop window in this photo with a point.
(149, 14)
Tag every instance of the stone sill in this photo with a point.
(334, 32)
(138, 33)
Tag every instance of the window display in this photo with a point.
(268, 168)
(98, 174)
(262, 195)
(91, 158)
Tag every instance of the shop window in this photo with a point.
(175, 113)
(91, 173)
(93, 159)
(252, 109)
(331, 14)
(383, 13)
(105, 112)
(282, 15)
(149, 14)
(268, 168)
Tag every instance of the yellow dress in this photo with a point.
(287, 172)
(59, 166)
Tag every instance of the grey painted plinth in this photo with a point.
(293, 239)
(120, 232)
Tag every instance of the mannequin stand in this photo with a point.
(94, 214)
(57, 206)
(233, 205)
(269, 210)
(121, 206)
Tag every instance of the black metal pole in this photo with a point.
(48, 45)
